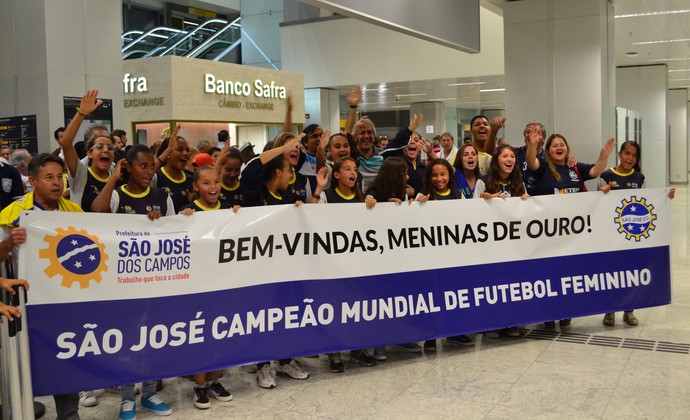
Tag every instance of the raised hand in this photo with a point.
(497, 123)
(89, 102)
(355, 96)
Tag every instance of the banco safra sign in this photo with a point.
(258, 89)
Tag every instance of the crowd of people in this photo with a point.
(106, 175)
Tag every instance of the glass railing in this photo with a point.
(220, 43)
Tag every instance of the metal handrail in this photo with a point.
(192, 33)
(151, 32)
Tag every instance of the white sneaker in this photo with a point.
(87, 399)
(292, 370)
(264, 377)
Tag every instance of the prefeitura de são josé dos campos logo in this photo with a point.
(635, 218)
(75, 255)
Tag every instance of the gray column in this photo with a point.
(53, 49)
(559, 71)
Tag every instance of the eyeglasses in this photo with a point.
(101, 146)
(315, 135)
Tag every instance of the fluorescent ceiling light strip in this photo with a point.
(676, 71)
(492, 90)
(400, 106)
(670, 59)
(443, 99)
(659, 13)
(403, 95)
(665, 41)
(467, 84)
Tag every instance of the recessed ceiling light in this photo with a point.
(659, 13)
(631, 54)
(665, 41)
(492, 90)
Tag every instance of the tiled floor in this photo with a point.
(506, 378)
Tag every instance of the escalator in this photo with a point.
(214, 39)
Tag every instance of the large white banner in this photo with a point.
(118, 298)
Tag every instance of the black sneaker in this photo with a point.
(335, 363)
(362, 357)
(462, 340)
(430, 345)
(201, 399)
(565, 322)
(218, 391)
(550, 325)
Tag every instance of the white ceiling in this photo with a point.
(628, 31)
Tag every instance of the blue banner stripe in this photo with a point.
(392, 308)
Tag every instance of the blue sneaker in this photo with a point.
(128, 409)
(153, 402)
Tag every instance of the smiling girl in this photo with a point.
(625, 175)
(439, 182)
(554, 176)
(137, 196)
(504, 178)
(207, 185)
(298, 186)
(172, 176)
(552, 173)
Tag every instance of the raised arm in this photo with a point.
(600, 164)
(531, 156)
(172, 145)
(321, 182)
(287, 125)
(353, 99)
(88, 104)
(496, 124)
(321, 150)
(270, 154)
(101, 204)
(428, 148)
(223, 152)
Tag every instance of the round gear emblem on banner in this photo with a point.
(75, 255)
(635, 218)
